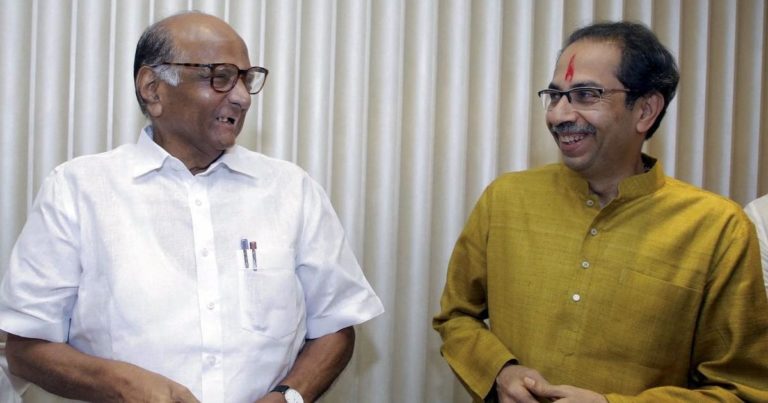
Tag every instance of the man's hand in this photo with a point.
(511, 387)
(64, 371)
(141, 386)
(562, 393)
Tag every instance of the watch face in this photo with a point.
(292, 396)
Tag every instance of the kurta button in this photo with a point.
(211, 305)
(593, 231)
(585, 264)
(576, 297)
(205, 252)
(198, 202)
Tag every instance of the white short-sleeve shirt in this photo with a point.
(127, 255)
(757, 211)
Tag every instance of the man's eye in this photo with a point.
(586, 95)
(555, 96)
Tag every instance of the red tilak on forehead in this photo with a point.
(569, 71)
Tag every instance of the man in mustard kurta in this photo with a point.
(601, 279)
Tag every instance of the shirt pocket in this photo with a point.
(269, 293)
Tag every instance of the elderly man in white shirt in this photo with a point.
(757, 211)
(184, 267)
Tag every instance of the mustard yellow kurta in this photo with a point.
(655, 297)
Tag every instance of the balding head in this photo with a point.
(172, 39)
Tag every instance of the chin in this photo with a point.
(226, 141)
(576, 164)
(223, 146)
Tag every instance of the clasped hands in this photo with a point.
(519, 384)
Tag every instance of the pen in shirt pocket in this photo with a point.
(253, 254)
(244, 246)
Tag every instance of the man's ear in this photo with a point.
(650, 108)
(147, 84)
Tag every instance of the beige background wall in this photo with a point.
(403, 109)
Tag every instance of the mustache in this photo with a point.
(570, 127)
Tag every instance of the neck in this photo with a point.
(194, 159)
(201, 164)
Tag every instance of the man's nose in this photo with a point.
(239, 94)
(561, 112)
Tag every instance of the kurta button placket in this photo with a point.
(576, 297)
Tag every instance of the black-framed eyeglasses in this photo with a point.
(224, 76)
(578, 97)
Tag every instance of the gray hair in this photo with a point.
(155, 46)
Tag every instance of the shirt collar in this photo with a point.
(151, 157)
(237, 159)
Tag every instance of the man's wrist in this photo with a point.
(507, 364)
(290, 394)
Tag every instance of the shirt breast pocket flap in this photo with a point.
(269, 293)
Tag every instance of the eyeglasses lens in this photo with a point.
(225, 77)
(580, 98)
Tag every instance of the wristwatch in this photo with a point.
(290, 394)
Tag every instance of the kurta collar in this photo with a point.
(643, 184)
(630, 188)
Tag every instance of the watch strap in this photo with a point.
(280, 388)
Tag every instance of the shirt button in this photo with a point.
(590, 202)
(585, 264)
(204, 252)
(576, 297)
(198, 202)
(593, 231)
(211, 360)
(210, 306)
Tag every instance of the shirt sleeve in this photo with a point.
(337, 293)
(40, 285)
(730, 351)
(473, 352)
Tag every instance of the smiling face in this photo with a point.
(193, 121)
(601, 141)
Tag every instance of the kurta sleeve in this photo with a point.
(474, 353)
(730, 351)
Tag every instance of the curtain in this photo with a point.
(404, 110)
